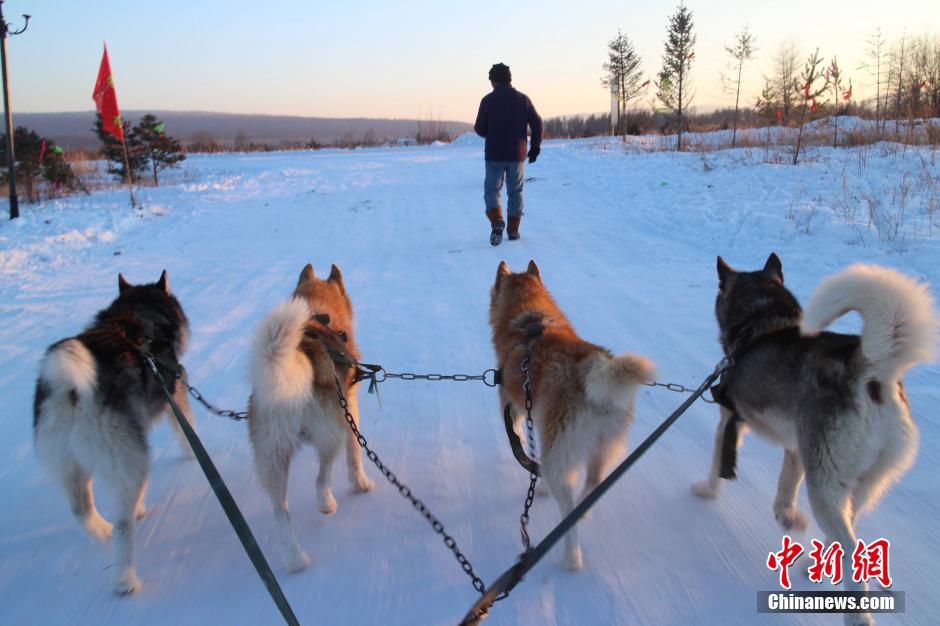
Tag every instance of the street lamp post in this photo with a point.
(8, 116)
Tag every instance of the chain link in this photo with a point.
(484, 377)
(405, 491)
(530, 428)
(679, 389)
(198, 397)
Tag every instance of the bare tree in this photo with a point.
(622, 75)
(899, 63)
(785, 68)
(741, 51)
(673, 88)
(876, 51)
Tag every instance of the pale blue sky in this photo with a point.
(401, 59)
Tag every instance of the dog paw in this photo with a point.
(297, 562)
(141, 511)
(790, 518)
(127, 583)
(99, 528)
(362, 484)
(705, 489)
(328, 504)
(573, 561)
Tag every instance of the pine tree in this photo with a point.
(833, 78)
(622, 76)
(27, 146)
(37, 159)
(741, 51)
(808, 91)
(114, 151)
(673, 88)
(159, 149)
(58, 172)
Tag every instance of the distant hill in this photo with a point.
(74, 129)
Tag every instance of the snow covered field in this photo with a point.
(626, 242)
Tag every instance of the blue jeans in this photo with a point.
(513, 172)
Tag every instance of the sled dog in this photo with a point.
(95, 401)
(583, 397)
(834, 402)
(294, 398)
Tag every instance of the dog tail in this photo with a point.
(67, 371)
(899, 323)
(277, 368)
(614, 380)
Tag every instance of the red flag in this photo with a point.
(106, 99)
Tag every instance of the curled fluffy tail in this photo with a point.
(899, 323)
(69, 369)
(278, 369)
(614, 379)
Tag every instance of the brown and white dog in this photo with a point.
(294, 399)
(583, 396)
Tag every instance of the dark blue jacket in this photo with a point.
(503, 117)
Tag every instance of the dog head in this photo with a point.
(519, 300)
(510, 290)
(751, 303)
(157, 309)
(327, 299)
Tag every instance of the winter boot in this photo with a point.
(513, 229)
(495, 216)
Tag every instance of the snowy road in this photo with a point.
(627, 245)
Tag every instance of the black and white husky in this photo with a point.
(834, 402)
(95, 402)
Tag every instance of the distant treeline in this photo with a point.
(645, 121)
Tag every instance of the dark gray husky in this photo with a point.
(95, 401)
(834, 402)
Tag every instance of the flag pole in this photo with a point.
(127, 169)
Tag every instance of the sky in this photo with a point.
(411, 59)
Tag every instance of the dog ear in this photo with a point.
(724, 271)
(774, 268)
(123, 285)
(336, 277)
(502, 270)
(306, 275)
(164, 283)
(534, 270)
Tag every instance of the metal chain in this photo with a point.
(406, 493)
(530, 427)
(489, 382)
(233, 415)
(678, 388)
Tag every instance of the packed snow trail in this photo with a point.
(626, 244)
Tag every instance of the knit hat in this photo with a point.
(500, 73)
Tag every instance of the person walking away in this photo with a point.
(503, 119)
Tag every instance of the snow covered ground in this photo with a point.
(626, 243)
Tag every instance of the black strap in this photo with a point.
(511, 577)
(517, 450)
(225, 498)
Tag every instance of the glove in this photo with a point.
(533, 154)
